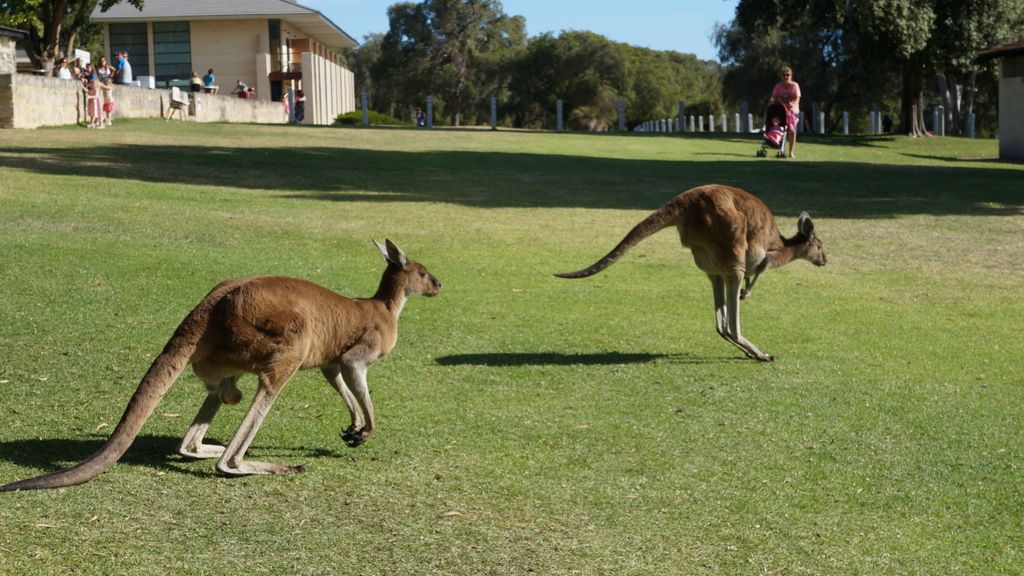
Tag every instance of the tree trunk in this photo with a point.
(912, 103)
(969, 97)
(950, 103)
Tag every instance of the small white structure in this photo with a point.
(1011, 98)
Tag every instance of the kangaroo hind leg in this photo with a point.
(732, 305)
(192, 444)
(233, 461)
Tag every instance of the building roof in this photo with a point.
(318, 26)
(12, 33)
(1003, 51)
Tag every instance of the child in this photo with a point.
(92, 102)
(107, 90)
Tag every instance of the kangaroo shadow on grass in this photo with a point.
(504, 360)
(160, 452)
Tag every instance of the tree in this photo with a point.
(53, 26)
(860, 53)
(442, 46)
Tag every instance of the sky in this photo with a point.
(680, 25)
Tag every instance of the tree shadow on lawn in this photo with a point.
(161, 452)
(504, 180)
(504, 360)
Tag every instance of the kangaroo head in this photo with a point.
(411, 274)
(812, 251)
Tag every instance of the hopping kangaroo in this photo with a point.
(272, 327)
(733, 238)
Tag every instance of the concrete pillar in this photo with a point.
(364, 103)
(700, 123)
(559, 107)
(736, 123)
(681, 119)
(430, 111)
(494, 112)
(846, 123)
(621, 107)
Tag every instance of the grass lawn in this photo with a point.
(527, 424)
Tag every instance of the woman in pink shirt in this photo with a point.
(787, 92)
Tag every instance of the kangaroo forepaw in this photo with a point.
(744, 293)
(353, 437)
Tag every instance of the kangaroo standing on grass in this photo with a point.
(733, 238)
(272, 327)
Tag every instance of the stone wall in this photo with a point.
(7, 67)
(28, 101)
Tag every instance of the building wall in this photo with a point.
(43, 101)
(329, 89)
(233, 48)
(1011, 109)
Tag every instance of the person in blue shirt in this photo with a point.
(210, 82)
(124, 69)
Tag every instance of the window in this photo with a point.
(134, 39)
(172, 52)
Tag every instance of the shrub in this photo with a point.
(355, 118)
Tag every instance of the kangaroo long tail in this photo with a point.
(158, 379)
(658, 220)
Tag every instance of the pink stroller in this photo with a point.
(774, 130)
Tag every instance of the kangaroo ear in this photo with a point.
(392, 253)
(805, 225)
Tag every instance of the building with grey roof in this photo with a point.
(274, 46)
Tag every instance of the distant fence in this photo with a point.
(737, 122)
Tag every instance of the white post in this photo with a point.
(821, 122)
(430, 111)
(622, 115)
(494, 112)
(970, 125)
(871, 123)
(366, 111)
(681, 119)
(940, 121)
(846, 123)
(745, 114)
(725, 123)
(750, 121)
(693, 124)
(559, 126)
(736, 124)
(700, 123)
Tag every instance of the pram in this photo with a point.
(776, 125)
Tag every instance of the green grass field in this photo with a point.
(527, 424)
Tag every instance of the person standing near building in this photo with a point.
(124, 69)
(300, 107)
(63, 72)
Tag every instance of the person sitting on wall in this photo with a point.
(241, 90)
(210, 83)
(195, 84)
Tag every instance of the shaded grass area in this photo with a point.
(527, 424)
